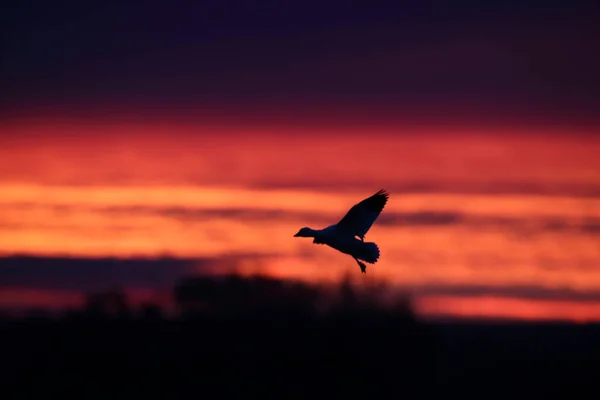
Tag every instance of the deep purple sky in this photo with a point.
(503, 58)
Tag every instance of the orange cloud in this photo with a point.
(519, 209)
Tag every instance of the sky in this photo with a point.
(521, 60)
(208, 133)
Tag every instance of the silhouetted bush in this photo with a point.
(234, 295)
(108, 304)
(238, 337)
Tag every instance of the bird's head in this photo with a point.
(305, 232)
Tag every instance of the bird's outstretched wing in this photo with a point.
(360, 217)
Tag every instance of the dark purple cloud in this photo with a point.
(436, 58)
(519, 225)
(88, 274)
(512, 291)
(92, 274)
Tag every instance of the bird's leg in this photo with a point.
(363, 267)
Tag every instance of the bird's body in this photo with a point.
(346, 243)
(356, 223)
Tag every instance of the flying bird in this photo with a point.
(348, 235)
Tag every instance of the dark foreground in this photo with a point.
(280, 349)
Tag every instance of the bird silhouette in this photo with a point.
(348, 235)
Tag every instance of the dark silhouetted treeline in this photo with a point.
(235, 337)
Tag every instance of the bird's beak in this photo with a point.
(296, 235)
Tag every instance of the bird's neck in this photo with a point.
(314, 232)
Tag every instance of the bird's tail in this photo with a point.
(367, 251)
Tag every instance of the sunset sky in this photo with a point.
(211, 134)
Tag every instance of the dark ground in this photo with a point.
(260, 337)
